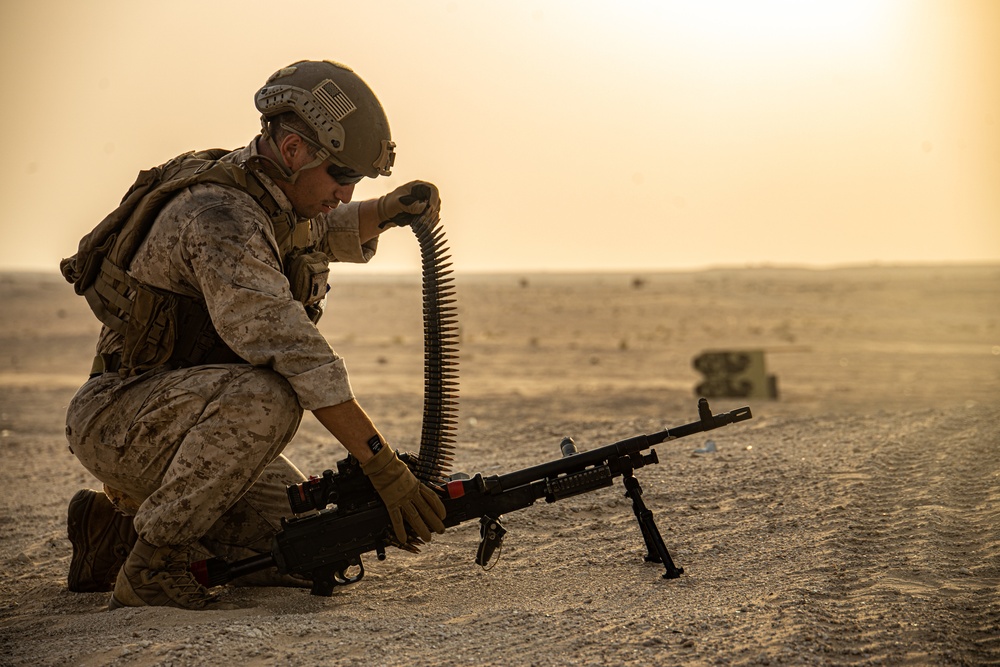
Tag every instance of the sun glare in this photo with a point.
(787, 21)
(729, 27)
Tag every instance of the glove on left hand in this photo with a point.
(404, 205)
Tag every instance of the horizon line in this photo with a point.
(355, 270)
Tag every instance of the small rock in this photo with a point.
(709, 448)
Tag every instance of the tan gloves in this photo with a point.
(405, 204)
(404, 496)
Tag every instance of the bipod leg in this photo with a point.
(656, 549)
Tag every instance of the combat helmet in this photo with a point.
(350, 125)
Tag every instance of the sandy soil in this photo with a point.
(853, 521)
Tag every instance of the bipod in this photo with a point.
(656, 549)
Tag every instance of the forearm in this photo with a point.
(349, 423)
(368, 227)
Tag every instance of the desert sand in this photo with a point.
(853, 521)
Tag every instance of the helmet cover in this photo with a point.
(350, 125)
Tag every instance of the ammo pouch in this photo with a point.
(307, 274)
(150, 328)
(167, 328)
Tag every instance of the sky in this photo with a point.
(564, 135)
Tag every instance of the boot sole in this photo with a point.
(113, 604)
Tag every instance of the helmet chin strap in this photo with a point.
(287, 174)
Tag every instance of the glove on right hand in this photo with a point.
(405, 204)
(404, 496)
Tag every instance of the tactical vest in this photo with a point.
(159, 327)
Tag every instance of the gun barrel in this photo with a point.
(707, 424)
(626, 447)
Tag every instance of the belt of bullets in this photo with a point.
(440, 418)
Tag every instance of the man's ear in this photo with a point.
(292, 148)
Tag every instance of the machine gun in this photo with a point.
(339, 516)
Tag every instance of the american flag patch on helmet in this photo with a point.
(333, 99)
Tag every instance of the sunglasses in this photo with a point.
(343, 175)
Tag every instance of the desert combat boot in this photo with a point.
(159, 577)
(102, 539)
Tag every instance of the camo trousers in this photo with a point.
(198, 448)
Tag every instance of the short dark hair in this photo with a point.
(287, 123)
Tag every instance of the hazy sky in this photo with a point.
(563, 134)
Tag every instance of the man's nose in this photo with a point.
(344, 193)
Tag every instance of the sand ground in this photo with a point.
(853, 521)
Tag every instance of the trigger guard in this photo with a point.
(342, 579)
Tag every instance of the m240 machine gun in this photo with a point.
(339, 516)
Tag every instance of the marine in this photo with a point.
(209, 280)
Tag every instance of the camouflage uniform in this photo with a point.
(199, 449)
